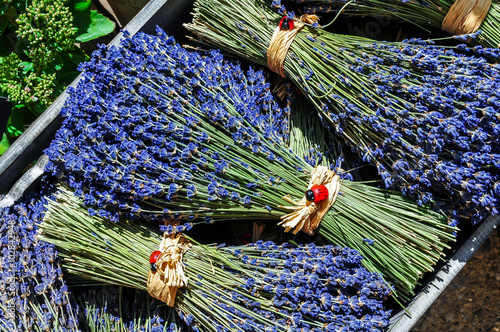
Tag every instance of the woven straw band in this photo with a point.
(281, 41)
(307, 215)
(163, 283)
(465, 16)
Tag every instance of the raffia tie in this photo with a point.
(465, 16)
(307, 215)
(169, 276)
(281, 41)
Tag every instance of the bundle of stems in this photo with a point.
(311, 139)
(423, 14)
(257, 287)
(141, 140)
(308, 137)
(424, 115)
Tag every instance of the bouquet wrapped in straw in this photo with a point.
(33, 293)
(257, 287)
(425, 116)
(154, 131)
(466, 20)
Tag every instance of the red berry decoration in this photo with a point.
(286, 23)
(317, 194)
(153, 259)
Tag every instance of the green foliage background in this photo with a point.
(39, 54)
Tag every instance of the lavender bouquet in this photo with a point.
(258, 287)
(156, 132)
(426, 14)
(33, 293)
(425, 116)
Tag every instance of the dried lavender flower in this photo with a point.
(34, 295)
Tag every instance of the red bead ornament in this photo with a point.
(286, 23)
(317, 194)
(153, 259)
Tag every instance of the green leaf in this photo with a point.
(6, 46)
(58, 62)
(26, 66)
(11, 14)
(36, 109)
(81, 16)
(69, 71)
(13, 130)
(76, 56)
(100, 26)
(3, 8)
(19, 120)
(79, 6)
(4, 144)
(82, 5)
(65, 79)
(4, 20)
(21, 5)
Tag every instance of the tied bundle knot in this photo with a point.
(465, 16)
(169, 276)
(307, 215)
(281, 41)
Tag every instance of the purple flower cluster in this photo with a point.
(426, 116)
(151, 122)
(33, 293)
(116, 308)
(311, 288)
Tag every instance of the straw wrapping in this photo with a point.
(306, 215)
(465, 16)
(281, 41)
(169, 277)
